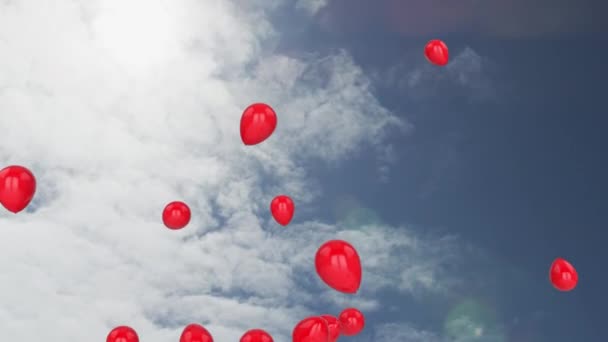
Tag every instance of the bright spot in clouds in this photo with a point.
(136, 33)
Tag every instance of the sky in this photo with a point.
(458, 186)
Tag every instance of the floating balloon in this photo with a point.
(311, 329)
(563, 275)
(352, 322)
(436, 52)
(256, 335)
(334, 326)
(338, 265)
(257, 123)
(17, 188)
(122, 334)
(195, 333)
(176, 215)
(282, 209)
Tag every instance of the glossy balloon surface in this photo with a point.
(258, 122)
(256, 335)
(17, 188)
(563, 275)
(352, 322)
(334, 327)
(338, 265)
(282, 209)
(176, 215)
(436, 52)
(122, 334)
(311, 329)
(195, 333)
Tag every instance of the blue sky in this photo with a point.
(458, 185)
(521, 176)
(510, 161)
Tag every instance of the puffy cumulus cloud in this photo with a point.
(122, 106)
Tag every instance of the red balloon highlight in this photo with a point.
(256, 335)
(352, 322)
(122, 334)
(338, 265)
(258, 122)
(334, 326)
(195, 333)
(176, 215)
(563, 275)
(311, 329)
(17, 188)
(436, 52)
(282, 209)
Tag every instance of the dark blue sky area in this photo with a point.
(515, 164)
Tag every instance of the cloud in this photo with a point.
(116, 123)
(468, 75)
(311, 6)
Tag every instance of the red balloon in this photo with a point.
(311, 329)
(563, 275)
(257, 123)
(352, 322)
(256, 335)
(122, 334)
(339, 266)
(334, 326)
(436, 52)
(176, 215)
(195, 333)
(17, 188)
(282, 209)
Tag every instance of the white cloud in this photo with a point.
(114, 131)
